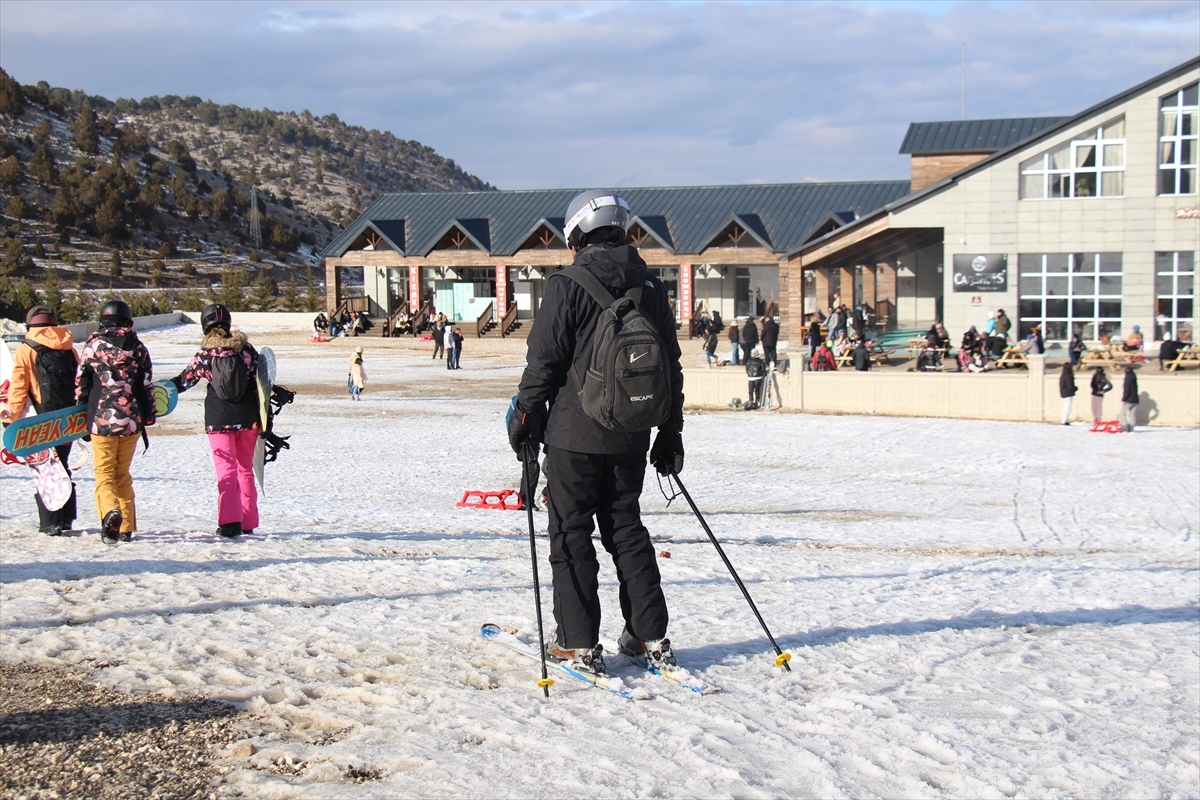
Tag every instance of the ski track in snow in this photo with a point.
(974, 608)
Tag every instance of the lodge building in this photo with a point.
(1087, 224)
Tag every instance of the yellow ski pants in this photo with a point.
(112, 456)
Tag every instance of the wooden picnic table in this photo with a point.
(1013, 356)
(846, 359)
(1187, 354)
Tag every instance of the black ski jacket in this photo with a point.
(1130, 390)
(561, 341)
(770, 333)
(750, 334)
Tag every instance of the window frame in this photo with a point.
(1101, 325)
(1176, 139)
(1072, 172)
(1173, 322)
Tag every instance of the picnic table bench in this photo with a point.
(1187, 354)
(1012, 357)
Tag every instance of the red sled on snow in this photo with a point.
(506, 500)
(1106, 426)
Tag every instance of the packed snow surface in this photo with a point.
(973, 608)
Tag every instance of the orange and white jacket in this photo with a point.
(24, 387)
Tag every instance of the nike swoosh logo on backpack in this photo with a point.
(633, 358)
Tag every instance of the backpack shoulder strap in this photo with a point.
(37, 347)
(590, 283)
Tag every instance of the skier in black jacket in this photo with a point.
(770, 339)
(593, 471)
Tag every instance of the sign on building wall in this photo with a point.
(686, 304)
(501, 291)
(414, 289)
(981, 273)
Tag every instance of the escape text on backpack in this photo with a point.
(627, 386)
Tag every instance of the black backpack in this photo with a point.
(56, 377)
(628, 385)
(229, 379)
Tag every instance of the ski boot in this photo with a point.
(110, 527)
(657, 653)
(126, 536)
(230, 530)
(583, 659)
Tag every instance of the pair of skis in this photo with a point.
(678, 676)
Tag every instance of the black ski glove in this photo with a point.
(525, 427)
(666, 455)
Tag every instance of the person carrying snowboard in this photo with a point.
(116, 380)
(595, 470)
(43, 375)
(231, 416)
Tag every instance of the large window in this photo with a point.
(1092, 165)
(1070, 293)
(1177, 142)
(1175, 287)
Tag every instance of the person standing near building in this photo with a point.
(448, 343)
(1129, 400)
(232, 420)
(1003, 323)
(756, 371)
(356, 380)
(734, 338)
(749, 338)
(770, 339)
(710, 346)
(1075, 349)
(439, 336)
(43, 375)
(1100, 387)
(116, 380)
(814, 335)
(594, 472)
(1067, 390)
(458, 343)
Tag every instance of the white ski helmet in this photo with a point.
(595, 208)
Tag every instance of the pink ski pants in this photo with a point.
(233, 456)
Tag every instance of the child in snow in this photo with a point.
(231, 416)
(756, 370)
(458, 343)
(43, 375)
(358, 376)
(116, 380)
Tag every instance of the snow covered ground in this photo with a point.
(974, 608)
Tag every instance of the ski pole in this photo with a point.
(781, 658)
(529, 464)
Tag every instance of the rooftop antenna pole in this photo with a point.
(964, 80)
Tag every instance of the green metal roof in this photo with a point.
(683, 219)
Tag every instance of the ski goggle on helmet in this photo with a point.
(595, 208)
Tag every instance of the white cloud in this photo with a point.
(537, 94)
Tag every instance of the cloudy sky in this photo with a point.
(541, 94)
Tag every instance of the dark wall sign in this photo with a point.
(981, 273)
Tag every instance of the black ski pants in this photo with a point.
(607, 489)
(769, 355)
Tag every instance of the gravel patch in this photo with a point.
(62, 738)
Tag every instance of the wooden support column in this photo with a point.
(885, 293)
(333, 284)
(846, 285)
(868, 285)
(822, 290)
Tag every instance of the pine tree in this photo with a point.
(86, 131)
(263, 295)
(18, 208)
(11, 172)
(24, 295)
(114, 261)
(312, 301)
(291, 295)
(42, 167)
(12, 99)
(52, 291)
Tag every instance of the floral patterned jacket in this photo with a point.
(224, 416)
(116, 380)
